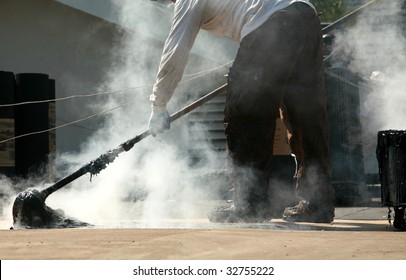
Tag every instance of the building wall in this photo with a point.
(72, 47)
(77, 50)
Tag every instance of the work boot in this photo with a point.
(303, 212)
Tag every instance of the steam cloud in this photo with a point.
(375, 49)
(155, 181)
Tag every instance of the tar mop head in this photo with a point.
(30, 211)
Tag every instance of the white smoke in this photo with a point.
(375, 48)
(154, 182)
(6, 193)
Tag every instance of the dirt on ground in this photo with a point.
(342, 240)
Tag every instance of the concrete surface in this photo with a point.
(357, 233)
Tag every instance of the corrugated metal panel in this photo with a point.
(345, 125)
(345, 130)
(208, 121)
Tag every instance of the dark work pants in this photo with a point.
(278, 70)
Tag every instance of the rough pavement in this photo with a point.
(357, 233)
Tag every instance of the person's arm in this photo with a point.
(185, 27)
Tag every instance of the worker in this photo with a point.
(278, 71)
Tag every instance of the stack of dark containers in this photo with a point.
(31, 155)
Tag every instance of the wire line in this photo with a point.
(194, 76)
(70, 123)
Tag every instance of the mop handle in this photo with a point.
(97, 165)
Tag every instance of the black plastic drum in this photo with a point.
(391, 155)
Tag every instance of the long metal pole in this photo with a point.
(97, 165)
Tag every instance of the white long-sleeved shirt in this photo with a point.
(231, 18)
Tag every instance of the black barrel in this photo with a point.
(391, 156)
(52, 132)
(7, 148)
(32, 151)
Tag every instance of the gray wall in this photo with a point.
(72, 47)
